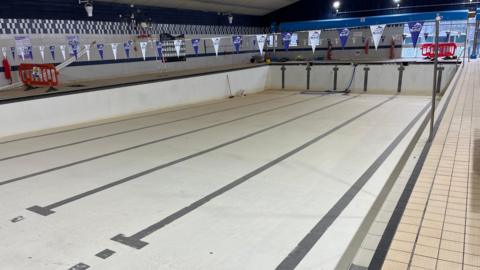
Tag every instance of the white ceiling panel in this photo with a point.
(250, 7)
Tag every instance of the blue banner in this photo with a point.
(100, 48)
(343, 34)
(126, 46)
(30, 52)
(286, 37)
(237, 41)
(415, 29)
(195, 45)
(52, 52)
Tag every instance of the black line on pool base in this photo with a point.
(104, 254)
(387, 237)
(135, 241)
(80, 266)
(138, 129)
(47, 210)
(307, 243)
(16, 179)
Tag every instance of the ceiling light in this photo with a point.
(336, 5)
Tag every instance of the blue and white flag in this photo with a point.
(30, 52)
(100, 48)
(52, 52)
(261, 42)
(314, 39)
(62, 49)
(87, 51)
(114, 50)
(216, 44)
(159, 46)
(178, 46)
(377, 33)
(42, 52)
(237, 41)
(286, 37)
(127, 46)
(195, 45)
(415, 29)
(74, 45)
(343, 34)
(143, 49)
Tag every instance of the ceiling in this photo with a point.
(249, 7)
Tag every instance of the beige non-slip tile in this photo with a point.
(473, 260)
(451, 245)
(454, 228)
(435, 233)
(453, 236)
(472, 239)
(445, 265)
(392, 265)
(472, 249)
(404, 236)
(451, 256)
(432, 224)
(425, 262)
(398, 256)
(455, 220)
(470, 267)
(434, 217)
(428, 241)
(402, 246)
(403, 227)
(426, 251)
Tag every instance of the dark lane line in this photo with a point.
(135, 241)
(47, 210)
(309, 241)
(143, 144)
(138, 129)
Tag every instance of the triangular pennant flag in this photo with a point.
(62, 49)
(87, 51)
(12, 50)
(100, 48)
(22, 53)
(343, 34)
(377, 32)
(126, 46)
(178, 46)
(143, 48)
(261, 42)
(314, 39)
(159, 46)
(216, 44)
(195, 45)
(114, 50)
(286, 37)
(52, 52)
(42, 52)
(415, 29)
(4, 52)
(237, 41)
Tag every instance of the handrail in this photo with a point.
(347, 89)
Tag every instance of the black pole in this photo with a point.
(283, 76)
(365, 79)
(309, 68)
(400, 78)
(335, 74)
(434, 90)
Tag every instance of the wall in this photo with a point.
(54, 32)
(72, 109)
(383, 78)
(354, 49)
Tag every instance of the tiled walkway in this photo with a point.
(440, 228)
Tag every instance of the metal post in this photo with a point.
(365, 79)
(283, 76)
(274, 44)
(400, 78)
(335, 73)
(434, 90)
(309, 68)
(475, 41)
(439, 80)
